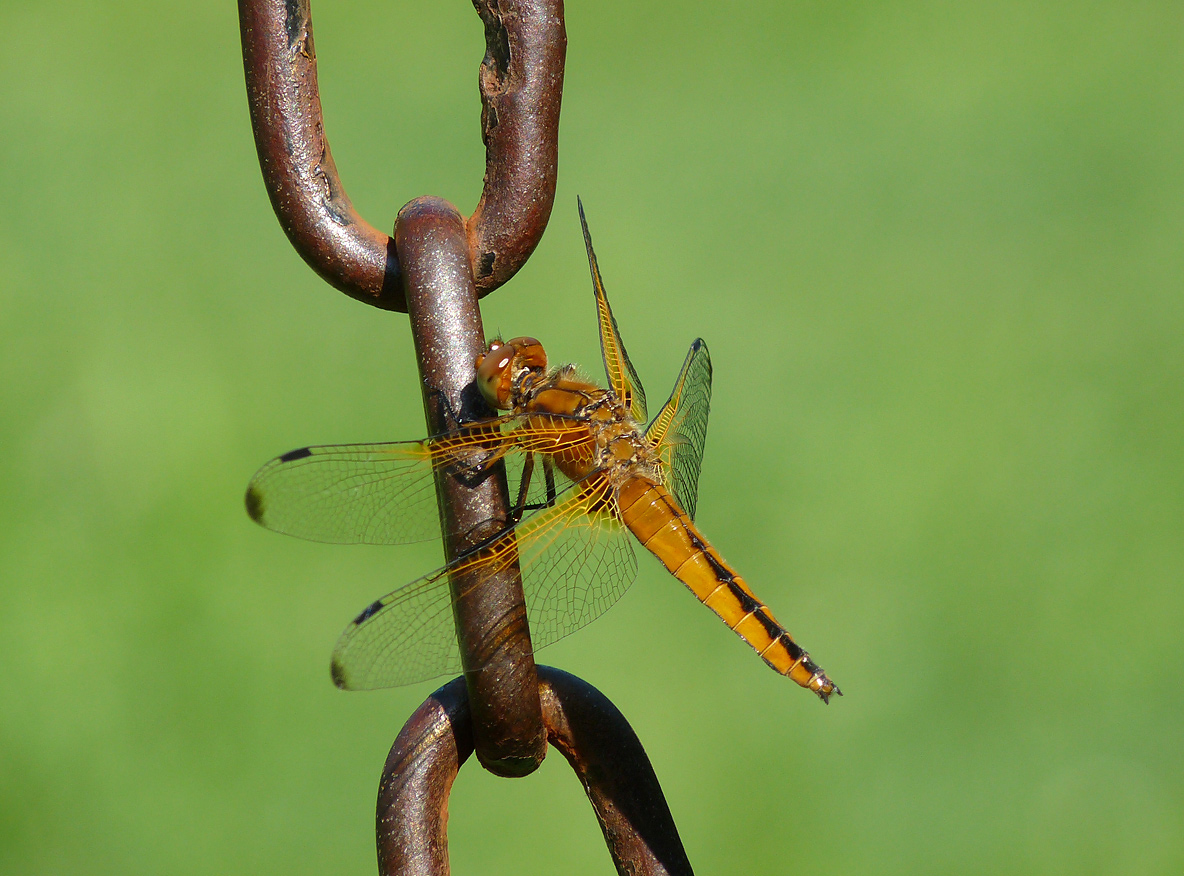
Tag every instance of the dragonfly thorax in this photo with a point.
(623, 452)
(594, 430)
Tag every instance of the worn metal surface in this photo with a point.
(582, 723)
(521, 86)
(491, 619)
(412, 817)
(306, 193)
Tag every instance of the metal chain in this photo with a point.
(435, 267)
(583, 724)
(521, 83)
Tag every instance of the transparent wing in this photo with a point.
(385, 493)
(622, 379)
(349, 494)
(679, 431)
(575, 570)
(576, 560)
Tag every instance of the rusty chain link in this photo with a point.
(586, 728)
(435, 267)
(521, 83)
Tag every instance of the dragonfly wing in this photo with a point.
(371, 493)
(349, 494)
(579, 564)
(405, 637)
(576, 561)
(679, 431)
(622, 378)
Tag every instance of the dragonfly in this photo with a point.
(589, 473)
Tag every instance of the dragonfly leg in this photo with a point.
(440, 405)
(477, 465)
(549, 475)
(523, 487)
(471, 407)
(472, 475)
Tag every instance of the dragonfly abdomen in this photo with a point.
(653, 515)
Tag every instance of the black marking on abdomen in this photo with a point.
(293, 455)
(368, 612)
(772, 628)
(722, 572)
(750, 605)
(795, 650)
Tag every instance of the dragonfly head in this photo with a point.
(500, 368)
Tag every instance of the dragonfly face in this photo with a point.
(505, 365)
(587, 477)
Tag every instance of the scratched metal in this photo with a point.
(491, 620)
(521, 85)
(582, 724)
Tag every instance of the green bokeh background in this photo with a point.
(936, 252)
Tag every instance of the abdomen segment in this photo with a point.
(654, 517)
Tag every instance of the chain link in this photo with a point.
(435, 267)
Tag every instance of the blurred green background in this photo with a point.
(936, 252)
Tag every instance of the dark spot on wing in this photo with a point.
(293, 455)
(254, 500)
(337, 671)
(368, 612)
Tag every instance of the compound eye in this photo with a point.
(493, 375)
(530, 352)
(494, 345)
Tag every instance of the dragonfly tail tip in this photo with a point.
(826, 689)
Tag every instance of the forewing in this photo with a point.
(349, 494)
(372, 493)
(679, 431)
(622, 379)
(576, 561)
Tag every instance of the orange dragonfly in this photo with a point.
(589, 477)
